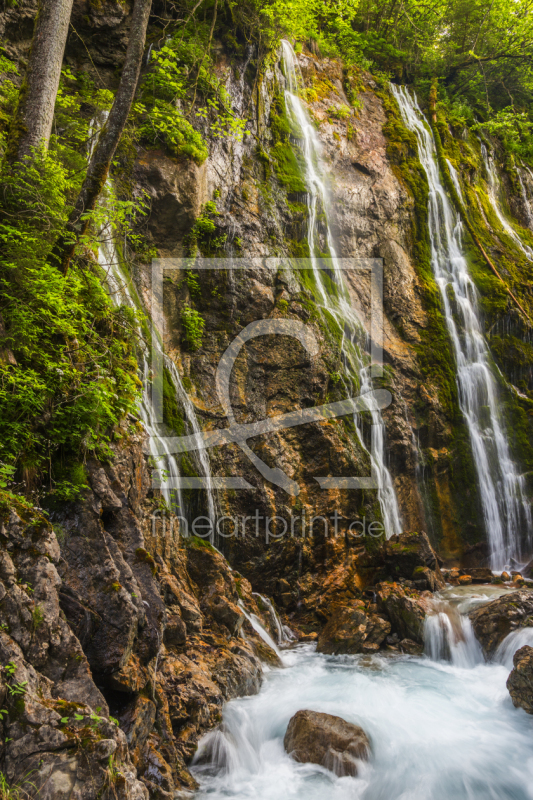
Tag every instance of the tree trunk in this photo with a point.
(108, 140)
(32, 122)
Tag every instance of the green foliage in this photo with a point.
(17, 791)
(181, 75)
(193, 326)
(511, 126)
(75, 370)
(340, 112)
(203, 235)
(162, 123)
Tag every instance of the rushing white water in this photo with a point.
(526, 197)
(506, 509)
(513, 642)
(449, 636)
(493, 191)
(320, 240)
(438, 732)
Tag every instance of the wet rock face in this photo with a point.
(353, 630)
(57, 728)
(520, 681)
(120, 615)
(409, 556)
(406, 610)
(494, 621)
(327, 740)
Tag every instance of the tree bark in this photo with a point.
(32, 122)
(108, 140)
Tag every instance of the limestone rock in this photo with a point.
(410, 556)
(353, 630)
(494, 621)
(316, 738)
(520, 681)
(406, 610)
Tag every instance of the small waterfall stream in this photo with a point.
(166, 474)
(319, 239)
(493, 190)
(506, 511)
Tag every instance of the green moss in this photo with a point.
(289, 167)
(198, 543)
(171, 413)
(142, 556)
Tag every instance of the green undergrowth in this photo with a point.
(68, 366)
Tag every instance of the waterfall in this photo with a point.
(506, 511)
(284, 633)
(260, 629)
(493, 187)
(319, 238)
(165, 477)
(449, 636)
(526, 196)
(513, 642)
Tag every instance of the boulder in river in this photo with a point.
(496, 620)
(316, 738)
(520, 681)
(352, 629)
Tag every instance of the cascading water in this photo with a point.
(506, 511)
(449, 636)
(493, 189)
(441, 726)
(260, 629)
(122, 293)
(338, 306)
(284, 633)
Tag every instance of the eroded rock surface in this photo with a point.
(520, 681)
(353, 630)
(406, 609)
(316, 738)
(496, 620)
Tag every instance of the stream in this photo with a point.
(440, 730)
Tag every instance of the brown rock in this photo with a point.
(175, 630)
(465, 580)
(327, 740)
(405, 609)
(410, 647)
(520, 681)
(411, 556)
(227, 613)
(494, 621)
(481, 575)
(352, 630)
(505, 576)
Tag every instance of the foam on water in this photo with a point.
(439, 731)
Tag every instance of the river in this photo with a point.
(439, 731)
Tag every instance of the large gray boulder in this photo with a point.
(520, 681)
(337, 745)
